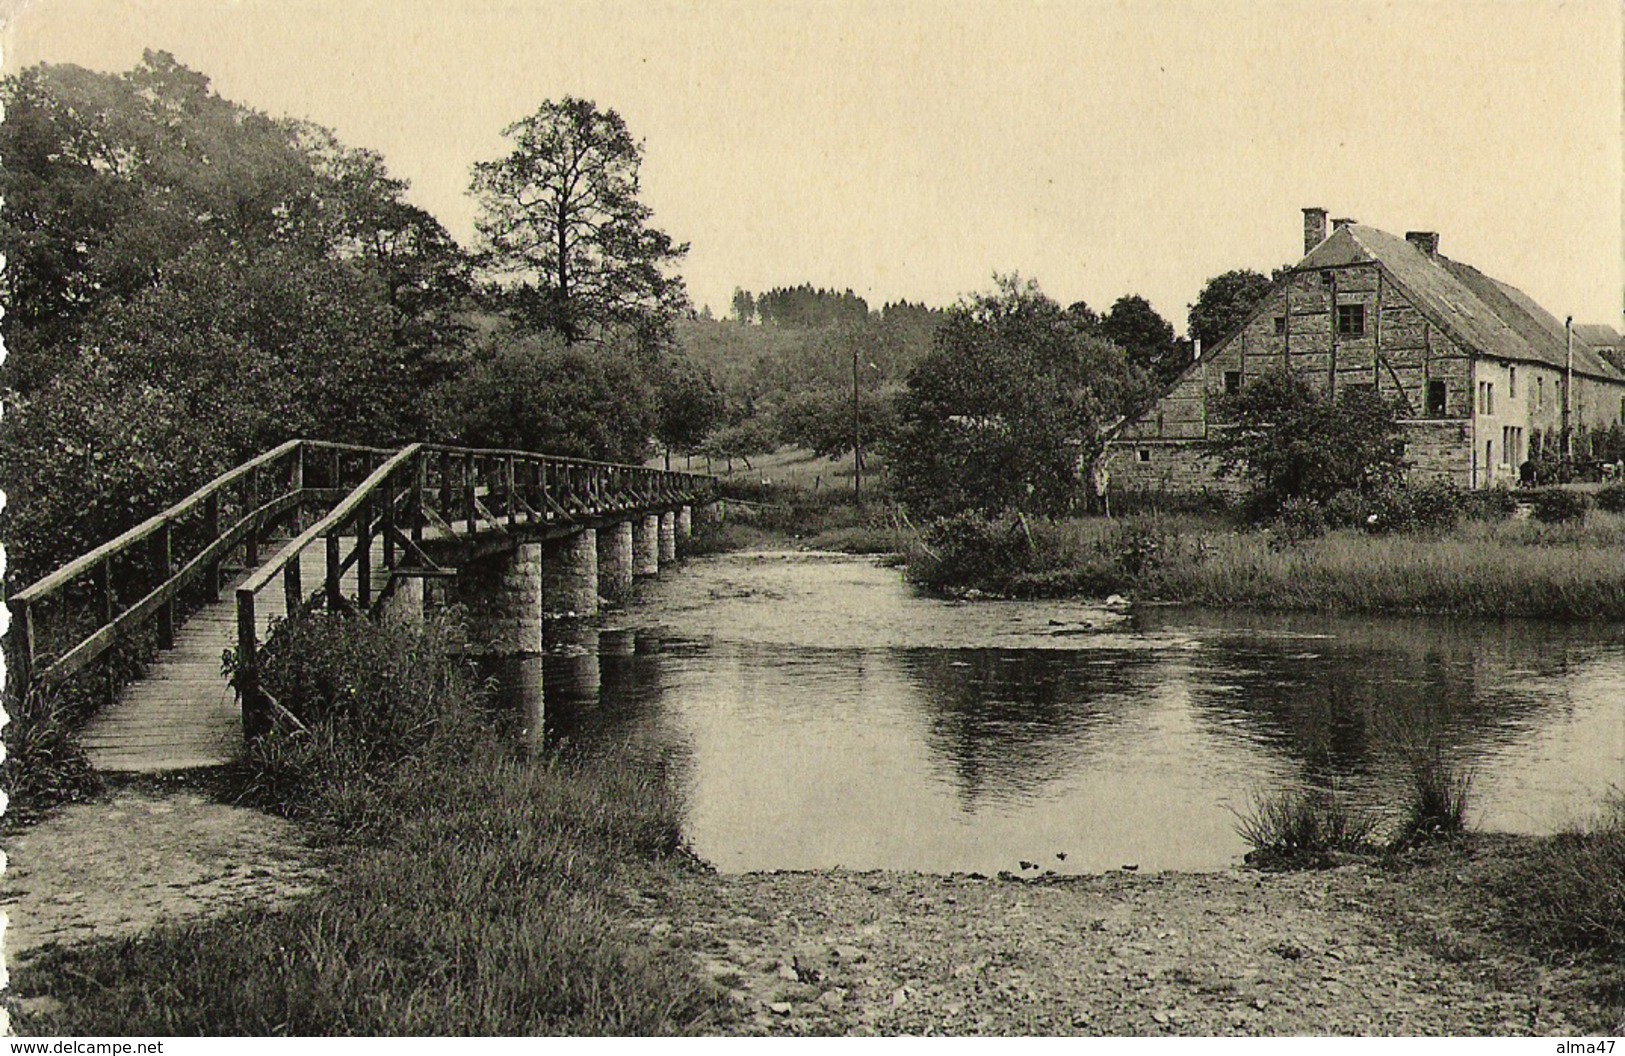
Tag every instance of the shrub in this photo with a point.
(361, 699)
(973, 550)
(1559, 506)
(1435, 507)
(1304, 827)
(1489, 504)
(1300, 520)
(1611, 499)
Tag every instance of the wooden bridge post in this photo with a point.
(211, 521)
(19, 652)
(296, 484)
(363, 554)
(251, 545)
(335, 583)
(470, 509)
(387, 519)
(248, 675)
(447, 493)
(293, 587)
(163, 563)
(420, 479)
(509, 497)
(104, 585)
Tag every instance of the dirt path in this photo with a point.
(1233, 953)
(119, 866)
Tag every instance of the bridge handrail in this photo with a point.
(157, 532)
(335, 519)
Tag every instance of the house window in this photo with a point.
(1436, 392)
(1489, 461)
(1540, 392)
(1326, 278)
(1486, 397)
(1622, 410)
(1145, 454)
(1280, 325)
(1232, 382)
(1351, 320)
(1512, 383)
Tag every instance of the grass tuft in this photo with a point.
(1304, 828)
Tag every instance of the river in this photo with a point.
(815, 712)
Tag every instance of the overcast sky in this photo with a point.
(912, 149)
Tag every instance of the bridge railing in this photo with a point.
(426, 495)
(139, 585)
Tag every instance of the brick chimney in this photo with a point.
(1343, 221)
(1314, 229)
(1426, 241)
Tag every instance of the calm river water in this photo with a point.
(817, 712)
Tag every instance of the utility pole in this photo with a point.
(1568, 394)
(857, 436)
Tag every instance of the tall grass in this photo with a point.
(1304, 827)
(1505, 569)
(1569, 892)
(472, 891)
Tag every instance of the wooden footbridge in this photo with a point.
(138, 628)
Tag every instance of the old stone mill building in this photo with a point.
(1477, 365)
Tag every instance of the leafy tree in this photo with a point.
(756, 435)
(1291, 441)
(1006, 407)
(821, 420)
(536, 393)
(562, 227)
(1224, 304)
(744, 306)
(689, 405)
(1148, 339)
(214, 280)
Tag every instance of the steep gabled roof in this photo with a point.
(1599, 335)
(1487, 316)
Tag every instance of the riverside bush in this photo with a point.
(973, 550)
(1611, 499)
(1559, 506)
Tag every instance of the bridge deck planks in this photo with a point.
(182, 713)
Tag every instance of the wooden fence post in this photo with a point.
(468, 495)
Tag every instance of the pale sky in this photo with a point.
(912, 149)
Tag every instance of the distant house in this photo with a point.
(1477, 364)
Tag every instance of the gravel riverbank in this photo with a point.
(1357, 950)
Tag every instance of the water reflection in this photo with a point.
(821, 714)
